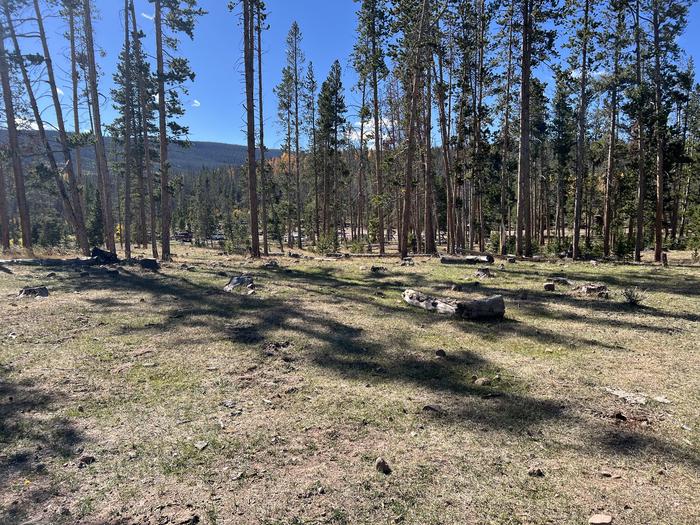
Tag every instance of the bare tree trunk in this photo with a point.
(143, 103)
(72, 202)
(581, 139)
(248, 39)
(641, 188)
(377, 137)
(100, 152)
(127, 135)
(20, 194)
(411, 147)
(505, 132)
(524, 245)
(76, 114)
(261, 131)
(4, 216)
(659, 124)
(165, 211)
(610, 172)
(447, 161)
(429, 173)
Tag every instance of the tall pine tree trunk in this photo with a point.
(127, 134)
(524, 244)
(659, 125)
(641, 168)
(165, 211)
(4, 215)
(100, 152)
(248, 52)
(581, 138)
(430, 246)
(261, 131)
(13, 143)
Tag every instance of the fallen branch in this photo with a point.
(488, 308)
(468, 259)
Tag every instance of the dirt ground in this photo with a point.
(157, 398)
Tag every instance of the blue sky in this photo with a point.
(215, 103)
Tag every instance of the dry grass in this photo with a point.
(297, 389)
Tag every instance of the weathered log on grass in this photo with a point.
(467, 259)
(489, 308)
(5, 269)
(34, 291)
(90, 261)
(239, 281)
(103, 256)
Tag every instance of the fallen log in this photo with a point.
(467, 259)
(103, 256)
(5, 269)
(239, 281)
(34, 291)
(488, 308)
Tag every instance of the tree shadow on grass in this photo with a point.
(30, 439)
(350, 352)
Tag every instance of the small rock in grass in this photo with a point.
(535, 472)
(600, 519)
(85, 460)
(50, 274)
(382, 466)
(482, 381)
(201, 445)
(433, 408)
(440, 353)
(549, 287)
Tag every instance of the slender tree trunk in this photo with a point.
(76, 113)
(72, 201)
(377, 134)
(4, 215)
(261, 131)
(411, 147)
(641, 188)
(143, 104)
(610, 171)
(20, 194)
(127, 135)
(659, 124)
(524, 244)
(100, 152)
(505, 133)
(297, 157)
(430, 246)
(447, 160)
(248, 39)
(581, 139)
(165, 211)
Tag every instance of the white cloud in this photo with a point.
(59, 91)
(196, 103)
(27, 124)
(147, 16)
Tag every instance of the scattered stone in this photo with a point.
(382, 466)
(36, 291)
(483, 273)
(149, 264)
(229, 403)
(85, 460)
(378, 269)
(201, 445)
(294, 255)
(433, 408)
(600, 519)
(549, 287)
(237, 282)
(629, 397)
(50, 275)
(535, 472)
(271, 265)
(662, 399)
(407, 262)
(482, 381)
(440, 353)
(512, 260)
(593, 289)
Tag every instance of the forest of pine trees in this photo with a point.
(505, 126)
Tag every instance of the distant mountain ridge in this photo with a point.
(200, 155)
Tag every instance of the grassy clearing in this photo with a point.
(271, 408)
